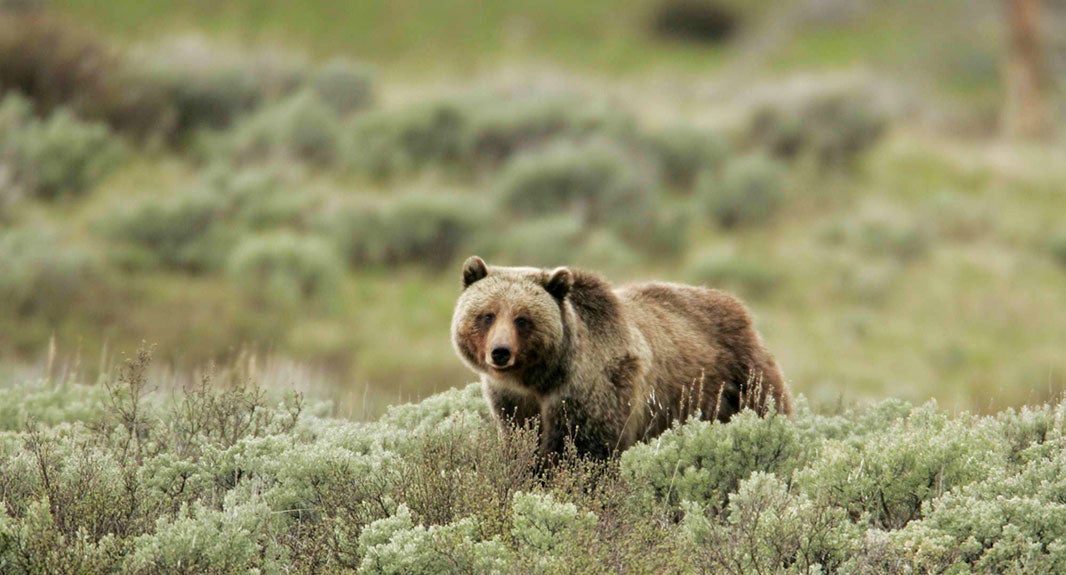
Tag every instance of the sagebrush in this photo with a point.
(223, 477)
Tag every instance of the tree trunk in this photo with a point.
(1026, 113)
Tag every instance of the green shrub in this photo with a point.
(43, 275)
(196, 229)
(596, 181)
(209, 86)
(542, 242)
(396, 546)
(605, 250)
(768, 528)
(500, 130)
(344, 86)
(431, 231)
(748, 192)
(1056, 246)
(833, 129)
(64, 156)
(386, 144)
(204, 540)
(1002, 535)
(751, 278)
(703, 462)
(683, 153)
(288, 269)
(357, 229)
(222, 477)
(56, 156)
(298, 128)
(886, 477)
(543, 526)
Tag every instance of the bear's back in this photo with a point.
(699, 333)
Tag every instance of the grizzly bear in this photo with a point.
(606, 367)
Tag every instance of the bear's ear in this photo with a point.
(560, 280)
(474, 268)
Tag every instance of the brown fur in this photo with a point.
(609, 367)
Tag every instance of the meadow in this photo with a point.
(226, 190)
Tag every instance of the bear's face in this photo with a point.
(509, 320)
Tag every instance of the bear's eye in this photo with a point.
(523, 323)
(486, 319)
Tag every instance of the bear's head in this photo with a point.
(510, 322)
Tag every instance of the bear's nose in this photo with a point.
(501, 355)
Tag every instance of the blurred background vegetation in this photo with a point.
(290, 186)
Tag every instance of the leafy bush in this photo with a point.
(769, 529)
(344, 86)
(684, 152)
(386, 144)
(596, 181)
(925, 455)
(499, 131)
(834, 129)
(196, 229)
(748, 192)
(288, 269)
(42, 275)
(57, 156)
(428, 230)
(1056, 246)
(356, 229)
(298, 128)
(222, 479)
(61, 155)
(542, 242)
(208, 86)
(703, 462)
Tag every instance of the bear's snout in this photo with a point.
(501, 356)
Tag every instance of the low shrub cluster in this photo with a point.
(41, 274)
(832, 129)
(58, 64)
(195, 230)
(223, 478)
(476, 133)
(51, 157)
(749, 191)
(412, 229)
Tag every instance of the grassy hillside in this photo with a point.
(131, 476)
(229, 195)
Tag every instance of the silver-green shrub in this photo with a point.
(124, 477)
(395, 546)
(300, 127)
(56, 156)
(288, 269)
(596, 181)
(703, 462)
(833, 128)
(40, 273)
(749, 191)
(684, 152)
(344, 86)
(196, 229)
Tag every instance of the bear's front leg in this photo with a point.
(511, 407)
(564, 419)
